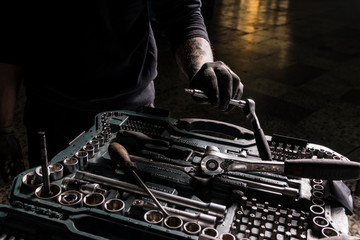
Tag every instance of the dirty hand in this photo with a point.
(219, 83)
(11, 160)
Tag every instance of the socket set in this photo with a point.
(193, 193)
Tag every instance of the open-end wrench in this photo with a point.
(214, 163)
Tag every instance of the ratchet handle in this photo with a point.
(326, 169)
(262, 144)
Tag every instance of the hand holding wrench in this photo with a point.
(248, 107)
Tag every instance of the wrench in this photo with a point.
(214, 163)
(260, 139)
(248, 107)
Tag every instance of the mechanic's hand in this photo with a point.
(11, 160)
(219, 83)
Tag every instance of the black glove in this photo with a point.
(11, 159)
(219, 83)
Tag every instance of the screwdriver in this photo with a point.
(118, 153)
(200, 94)
(46, 190)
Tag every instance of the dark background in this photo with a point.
(299, 61)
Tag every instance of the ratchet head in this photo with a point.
(212, 164)
(249, 109)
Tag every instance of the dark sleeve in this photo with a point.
(180, 19)
(11, 32)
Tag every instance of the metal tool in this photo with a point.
(202, 219)
(192, 228)
(46, 190)
(154, 216)
(248, 107)
(188, 168)
(261, 142)
(173, 222)
(210, 208)
(114, 205)
(200, 94)
(120, 154)
(215, 163)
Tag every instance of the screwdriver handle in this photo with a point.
(120, 155)
(327, 169)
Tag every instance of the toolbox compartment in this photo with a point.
(174, 146)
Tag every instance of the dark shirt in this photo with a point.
(93, 55)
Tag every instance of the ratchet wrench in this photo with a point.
(248, 107)
(214, 163)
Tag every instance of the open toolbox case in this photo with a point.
(95, 198)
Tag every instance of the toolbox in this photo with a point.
(191, 166)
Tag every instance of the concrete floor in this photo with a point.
(299, 61)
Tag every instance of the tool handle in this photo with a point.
(120, 155)
(262, 144)
(326, 169)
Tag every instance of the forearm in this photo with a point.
(192, 54)
(9, 80)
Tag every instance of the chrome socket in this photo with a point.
(71, 165)
(115, 206)
(100, 139)
(70, 198)
(55, 192)
(106, 134)
(30, 182)
(328, 232)
(319, 223)
(239, 214)
(209, 231)
(316, 210)
(154, 217)
(82, 157)
(90, 150)
(56, 171)
(95, 143)
(318, 187)
(227, 236)
(94, 200)
(173, 222)
(192, 228)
